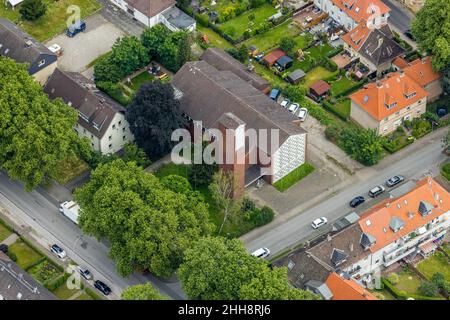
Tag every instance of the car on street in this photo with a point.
(102, 287)
(274, 94)
(394, 180)
(60, 253)
(319, 222)
(357, 201)
(293, 107)
(75, 28)
(285, 103)
(409, 34)
(261, 253)
(376, 191)
(302, 114)
(85, 273)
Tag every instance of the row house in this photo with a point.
(351, 13)
(386, 104)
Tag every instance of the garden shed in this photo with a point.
(319, 89)
(273, 56)
(284, 63)
(296, 76)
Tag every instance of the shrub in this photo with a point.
(32, 9)
(52, 286)
(393, 278)
(330, 65)
(247, 205)
(338, 112)
(428, 289)
(379, 295)
(335, 51)
(260, 217)
(438, 279)
(445, 171)
(332, 132)
(4, 248)
(420, 128)
(200, 175)
(12, 256)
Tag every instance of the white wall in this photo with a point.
(289, 156)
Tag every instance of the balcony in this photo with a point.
(398, 256)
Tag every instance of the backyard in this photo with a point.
(4, 232)
(26, 256)
(54, 20)
(438, 262)
(236, 27)
(316, 74)
(215, 39)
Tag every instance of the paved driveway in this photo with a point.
(85, 47)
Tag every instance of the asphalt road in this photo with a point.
(400, 17)
(34, 210)
(425, 158)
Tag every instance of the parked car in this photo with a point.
(409, 34)
(376, 191)
(259, 57)
(274, 94)
(102, 287)
(319, 222)
(302, 114)
(293, 107)
(60, 253)
(261, 253)
(56, 49)
(357, 201)
(85, 273)
(75, 28)
(285, 103)
(394, 180)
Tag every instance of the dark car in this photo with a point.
(274, 94)
(102, 287)
(357, 201)
(409, 34)
(75, 28)
(394, 181)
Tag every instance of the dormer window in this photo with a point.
(410, 95)
(41, 63)
(390, 106)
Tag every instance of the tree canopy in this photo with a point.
(363, 145)
(148, 225)
(142, 292)
(431, 28)
(153, 115)
(32, 9)
(36, 134)
(218, 268)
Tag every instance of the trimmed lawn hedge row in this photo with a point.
(340, 108)
(402, 295)
(293, 177)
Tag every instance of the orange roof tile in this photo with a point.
(400, 62)
(344, 289)
(273, 56)
(421, 71)
(356, 37)
(361, 9)
(390, 90)
(376, 221)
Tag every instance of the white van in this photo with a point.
(261, 253)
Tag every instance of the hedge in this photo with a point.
(335, 51)
(7, 226)
(445, 171)
(293, 177)
(391, 148)
(93, 295)
(327, 105)
(354, 87)
(52, 286)
(401, 295)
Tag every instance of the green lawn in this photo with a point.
(408, 282)
(341, 85)
(4, 232)
(64, 293)
(139, 80)
(26, 256)
(316, 74)
(270, 39)
(215, 39)
(438, 262)
(386, 294)
(84, 296)
(70, 169)
(236, 27)
(54, 20)
(446, 248)
(44, 271)
(310, 57)
(343, 107)
(267, 74)
(293, 177)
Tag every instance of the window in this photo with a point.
(408, 108)
(84, 130)
(92, 136)
(386, 119)
(385, 128)
(397, 113)
(120, 122)
(390, 106)
(92, 144)
(124, 138)
(110, 138)
(113, 126)
(124, 129)
(76, 130)
(409, 96)
(376, 262)
(110, 146)
(41, 63)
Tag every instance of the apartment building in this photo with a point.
(100, 119)
(384, 105)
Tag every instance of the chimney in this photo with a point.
(350, 247)
(402, 73)
(379, 84)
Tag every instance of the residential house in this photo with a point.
(421, 71)
(351, 13)
(21, 47)
(100, 119)
(16, 284)
(342, 287)
(222, 61)
(409, 223)
(375, 48)
(384, 105)
(222, 100)
(152, 12)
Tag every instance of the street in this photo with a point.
(400, 17)
(421, 157)
(35, 211)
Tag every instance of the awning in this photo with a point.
(428, 247)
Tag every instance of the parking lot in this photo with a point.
(86, 46)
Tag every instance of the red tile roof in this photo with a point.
(273, 56)
(391, 90)
(344, 289)
(376, 221)
(361, 9)
(320, 87)
(356, 37)
(422, 72)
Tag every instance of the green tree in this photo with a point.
(431, 28)
(216, 268)
(287, 44)
(142, 292)
(133, 153)
(129, 54)
(446, 141)
(154, 37)
(36, 134)
(428, 289)
(295, 93)
(32, 10)
(222, 192)
(147, 225)
(438, 279)
(363, 145)
(177, 184)
(184, 50)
